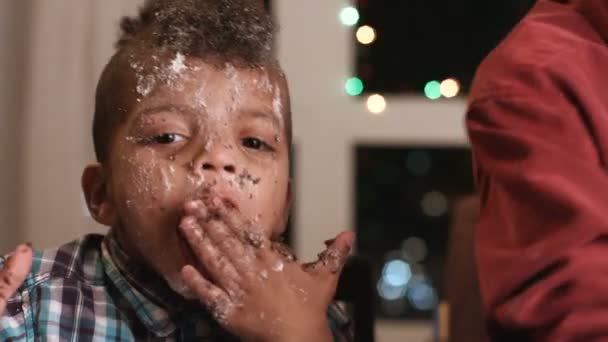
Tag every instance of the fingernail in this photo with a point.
(188, 222)
(191, 205)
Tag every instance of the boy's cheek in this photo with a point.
(154, 187)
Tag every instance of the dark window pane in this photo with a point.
(403, 211)
(423, 40)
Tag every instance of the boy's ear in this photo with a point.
(95, 189)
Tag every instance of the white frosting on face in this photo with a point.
(177, 65)
(145, 84)
(150, 77)
(278, 266)
(277, 104)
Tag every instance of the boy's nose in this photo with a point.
(217, 158)
(212, 167)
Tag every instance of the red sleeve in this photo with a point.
(542, 236)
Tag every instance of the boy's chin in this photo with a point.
(176, 283)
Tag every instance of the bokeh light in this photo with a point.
(389, 292)
(349, 16)
(449, 88)
(366, 35)
(434, 204)
(414, 249)
(422, 296)
(376, 104)
(432, 90)
(353, 86)
(396, 273)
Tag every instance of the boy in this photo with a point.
(192, 132)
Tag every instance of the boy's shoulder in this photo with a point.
(65, 294)
(78, 260)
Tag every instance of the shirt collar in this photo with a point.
(155, 304)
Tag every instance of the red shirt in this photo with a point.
(538, 124)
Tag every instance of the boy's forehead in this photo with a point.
(177, 77)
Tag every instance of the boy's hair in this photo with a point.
(236, 31)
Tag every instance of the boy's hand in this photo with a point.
(254, 287)
(14, 273)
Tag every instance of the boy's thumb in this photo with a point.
(333, 258)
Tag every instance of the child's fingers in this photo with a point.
(333, 258)
(242, 256)
(241, 227)
(195, 208)
(219, 266)
(14, 273)
(216, 300)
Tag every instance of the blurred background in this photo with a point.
(378, 91)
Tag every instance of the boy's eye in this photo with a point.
(167, 138)
(255, 144)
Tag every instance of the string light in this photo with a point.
(376, 104)
(366, 35)
(422, 296)
(434, 204)
(397, 273)
(353, 86)
(432, 90)
(349, 16)
(449, 88)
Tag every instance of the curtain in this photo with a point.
(51, 54)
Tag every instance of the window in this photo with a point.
(403, 208)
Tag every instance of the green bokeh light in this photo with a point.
(354, 86)
(432, 90)
(349, 16)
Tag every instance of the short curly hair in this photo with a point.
(237, 31)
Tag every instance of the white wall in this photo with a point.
(50, 57)
(11, 87)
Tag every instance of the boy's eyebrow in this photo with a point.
(168, 108)
(257, 114)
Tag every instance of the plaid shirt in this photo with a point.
(88, 291)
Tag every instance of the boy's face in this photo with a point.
(196, 130)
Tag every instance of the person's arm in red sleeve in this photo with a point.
(542, 237)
